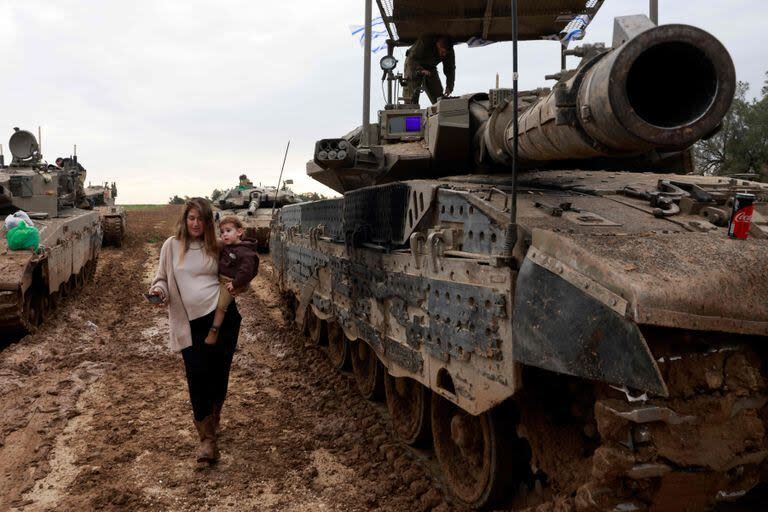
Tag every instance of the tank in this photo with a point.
(32, 284)
(255, 206)
(584, 330)
(113, 218)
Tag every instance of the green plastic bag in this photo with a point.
(23, 237)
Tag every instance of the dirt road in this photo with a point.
(95, 412)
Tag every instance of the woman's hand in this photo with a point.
(158, 292)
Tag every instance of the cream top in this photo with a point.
(197, 277)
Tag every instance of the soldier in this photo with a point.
(421, 68)
(245, 182)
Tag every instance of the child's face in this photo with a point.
(230, 234)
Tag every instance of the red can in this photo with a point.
(741, 216)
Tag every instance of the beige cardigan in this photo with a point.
(178, 321)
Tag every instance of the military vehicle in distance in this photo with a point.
(102, 200)
(584, 330)
(254, 206)
(31, 284)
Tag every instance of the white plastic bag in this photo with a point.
(13, 220)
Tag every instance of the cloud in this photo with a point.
(180, 97)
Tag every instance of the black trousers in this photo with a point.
(207, 366)
(431, 84)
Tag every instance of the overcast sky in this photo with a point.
(180, 97)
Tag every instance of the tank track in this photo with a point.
(23, 311)
(704, 445)
(113, 231)
(12, 319)
(596, 448)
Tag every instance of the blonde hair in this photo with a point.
(210, 246)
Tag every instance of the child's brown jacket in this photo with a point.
(239, 262)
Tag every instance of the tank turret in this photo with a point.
(640, 104)
(251, 197)
(254, 206)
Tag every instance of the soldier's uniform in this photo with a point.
(423, 56)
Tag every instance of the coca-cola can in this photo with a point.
(741, 216)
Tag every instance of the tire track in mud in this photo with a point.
(96, 413)
(354, 431)
(44, 376)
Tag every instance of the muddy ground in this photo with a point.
(95, 412)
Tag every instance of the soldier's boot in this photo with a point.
(217, 415)
(208, 451)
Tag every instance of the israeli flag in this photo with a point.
(379, 34)
(575, 30)
(478, 42)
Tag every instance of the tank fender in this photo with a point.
(560, 327)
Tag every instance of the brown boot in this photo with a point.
(217, 415)
(207, 452)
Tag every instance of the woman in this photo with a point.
(187, 281)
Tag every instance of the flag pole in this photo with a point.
(277, 190)
(367, 75)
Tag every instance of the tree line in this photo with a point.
(741, 145)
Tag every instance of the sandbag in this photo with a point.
(23, 237)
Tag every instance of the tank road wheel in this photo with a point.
(338, 347)
(368, 371)
(33, 308)
(316, 328)
(65, 290)
(289, 312)
(90, 271)
(71, 286)
(408, 404)
(80, 279)
(481, 458)
(45, 306)
(54, 300)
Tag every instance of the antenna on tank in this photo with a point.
(497, 80)
(365, 139)
(40, 141)
(511, 235)
(74, 155)
(272, 214)
(2, 157)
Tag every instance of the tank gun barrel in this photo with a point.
(658, 89)
(639, 105)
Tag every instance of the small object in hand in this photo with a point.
(154, 299)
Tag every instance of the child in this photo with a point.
(238, 265)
